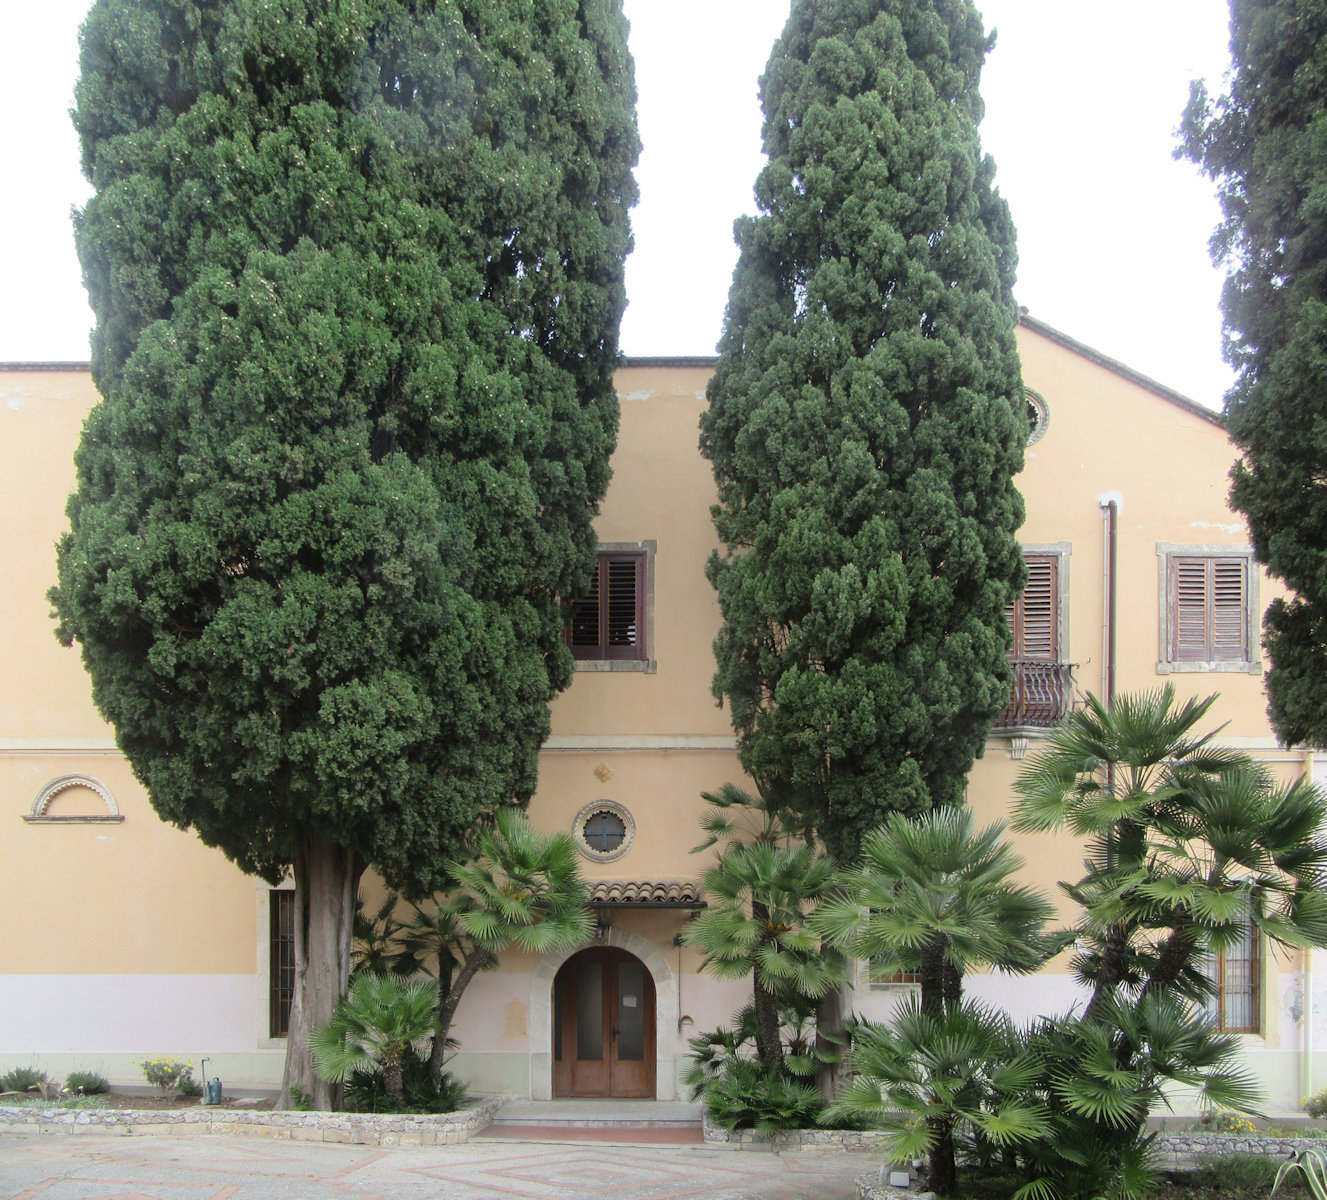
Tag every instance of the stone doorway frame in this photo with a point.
(665, 1009)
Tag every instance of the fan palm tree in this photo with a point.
(760, 897)
(519, 888)
(933, 897)
(930, 1072)
(1189, 843)
(378, 1019)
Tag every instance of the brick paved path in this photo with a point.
(94, 1167)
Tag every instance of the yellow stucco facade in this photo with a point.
(127, 938)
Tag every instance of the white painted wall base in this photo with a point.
(150, 1015)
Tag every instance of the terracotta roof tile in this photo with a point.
(634, 893)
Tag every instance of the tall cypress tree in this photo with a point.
(1265, 144)
(357, 273)
(865, 422)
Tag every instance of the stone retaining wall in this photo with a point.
(361, 1129)
(792, 1139)
(1183, 1151)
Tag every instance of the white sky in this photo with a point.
(1081, 106)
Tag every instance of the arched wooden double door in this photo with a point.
(603, 1026)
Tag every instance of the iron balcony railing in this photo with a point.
(1043, 694)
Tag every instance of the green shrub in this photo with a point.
(87, 1083)
(1316, 1105)
(1235, 1172)
(1311, 1132)
(22, 1079)
(366, 1092)
(167, 1075)
(753, 1095)
(189, 1086)
(83, 1101)
(1223, 1120)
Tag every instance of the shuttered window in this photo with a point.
(609, 622)
(1209, 601)
(1034, 616)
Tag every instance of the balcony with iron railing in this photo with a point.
(1042, 696)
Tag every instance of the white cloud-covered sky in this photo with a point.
(1081, 106)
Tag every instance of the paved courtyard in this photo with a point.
(93, 1167)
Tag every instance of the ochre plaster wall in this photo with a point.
(124, 905)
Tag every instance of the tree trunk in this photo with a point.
(475, 962)
(832, 1011)
(940, 1167)
(1114, 956)
(933, 975)
(768, 1043)
(393, 1080)
(326, 883)
(1174, 956)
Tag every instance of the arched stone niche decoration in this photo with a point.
(38, 813)
(665, 1013)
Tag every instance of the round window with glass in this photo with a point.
(604, 830)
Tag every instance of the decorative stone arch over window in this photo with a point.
(604, 830)
(38, 813)
(1039, 416)
(666, 1013)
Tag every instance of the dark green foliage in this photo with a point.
(754, 1095)
(357, 271)
(421, 1093)
(22, 1079)
(379, 941)
(934, 897)
(1251, 1171)
(1099, 1078)
(762, 893)
(739, 1090)
(86, 1083)
(865, 423)
(929, 1073)
(1264, 142)
(1189, 843)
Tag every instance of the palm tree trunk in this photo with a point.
(475, 962)
(1114, 957)
(1176, 951)
(933, 975)
(769, 1045)
(940, 1165)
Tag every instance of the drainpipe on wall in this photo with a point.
(1312, 770)
(1111, 505)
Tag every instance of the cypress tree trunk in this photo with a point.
(326, 883)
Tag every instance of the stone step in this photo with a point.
(599, 1114)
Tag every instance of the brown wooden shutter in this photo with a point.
(585, 618)
(622, 605)
(1208, 612)
(1034, 616)
(1229, 605)
(609, 621)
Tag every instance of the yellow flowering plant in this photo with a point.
(170, 1076)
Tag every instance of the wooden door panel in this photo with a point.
(603, 1015)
